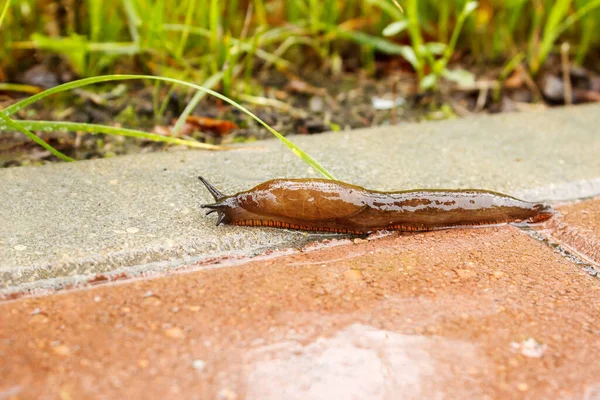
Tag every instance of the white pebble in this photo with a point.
(199, 365)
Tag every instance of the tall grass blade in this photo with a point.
(112, 130)
(193, 103)
(4, 12)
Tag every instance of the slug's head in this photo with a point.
(223, 205)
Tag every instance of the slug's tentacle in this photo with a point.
(215, 207)
(333, 206)
(213, 190)
(221, 215)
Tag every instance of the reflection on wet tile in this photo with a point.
(361, 362)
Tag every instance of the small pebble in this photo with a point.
(226, 394)
(132, 230)
(353, 275)
(199, 365)
(61, 350)
(20, 247)
(523, 387)
(465, 273)
(175, 333)
(316, 104)
(531, 348)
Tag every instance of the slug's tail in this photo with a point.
(544, 212)
(213, 190)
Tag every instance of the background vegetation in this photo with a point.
(210, 41)
(225, 44)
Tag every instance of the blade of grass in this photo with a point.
(570, 20)
(378, 43)
(388, 7)
(559, 10)
(184, 35)
(112, 130)
(261, 13)
(133, 20)
(18, 127)
(107, 78)
(416, 39)
(18, 87)
(4, 12)
(215, 35)
(469, 7)
(199, 95)
(242, 45)
(588, 33)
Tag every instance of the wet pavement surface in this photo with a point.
(206, 312)
(482, 313)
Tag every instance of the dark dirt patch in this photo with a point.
(291, 104)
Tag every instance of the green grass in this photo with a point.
(221, 44)
(196, 39)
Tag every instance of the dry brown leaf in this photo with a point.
(220, 126)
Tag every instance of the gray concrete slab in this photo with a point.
(65, 223)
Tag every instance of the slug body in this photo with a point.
(333, 206)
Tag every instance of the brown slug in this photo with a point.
(332, 206)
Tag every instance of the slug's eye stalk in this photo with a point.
(213, 190)
(216, 207)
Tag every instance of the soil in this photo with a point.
(312, 103)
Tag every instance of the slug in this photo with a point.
(332, 206)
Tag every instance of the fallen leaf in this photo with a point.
(220, 126)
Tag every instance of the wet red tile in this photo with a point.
(577, 228)
(485, 313)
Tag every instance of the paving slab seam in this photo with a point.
(566, 251)
(164, 268)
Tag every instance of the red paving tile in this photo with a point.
(577, 228)
(485, 313)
